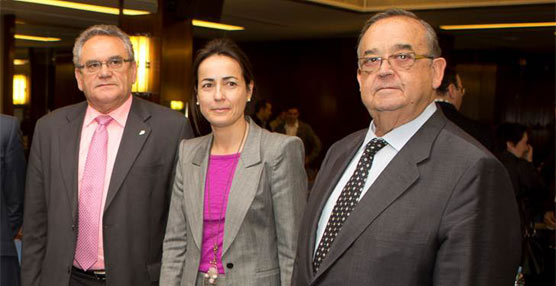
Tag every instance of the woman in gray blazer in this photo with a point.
(239, 192)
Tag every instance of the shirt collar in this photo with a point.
(399, 136)
(442, 100)
(119, 114)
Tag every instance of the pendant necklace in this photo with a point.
(212, 273)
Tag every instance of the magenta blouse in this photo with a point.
(220, 175)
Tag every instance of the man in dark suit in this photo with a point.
(12, 183)
(294, 127)
(100, 175)
(449, 96)
(263, 111)
(412, 200)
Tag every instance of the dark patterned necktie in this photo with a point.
(348, 200)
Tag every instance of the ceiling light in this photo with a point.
(36, 38)
(218, 26)
(498, 26)
(87, 7)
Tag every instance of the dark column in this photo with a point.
(172, 37)
(176, 62)
(8, 56)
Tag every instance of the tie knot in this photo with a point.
(103, 119)
(374, 146)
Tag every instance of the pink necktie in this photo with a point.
(90, 197)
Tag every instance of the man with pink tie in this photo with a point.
(99, 176)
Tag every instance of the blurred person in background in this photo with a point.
(263, 111)
(449, 97)
(12, 184)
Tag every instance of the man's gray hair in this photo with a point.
(101, 30)
(432, 39)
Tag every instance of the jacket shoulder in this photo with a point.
(159, 110)
(350, 139)
(192, 144)
(458, 139)
(274, 141)
(63, 114)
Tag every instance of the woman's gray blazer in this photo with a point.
(265, 205)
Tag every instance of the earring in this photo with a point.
(197, 102)
(249, 100)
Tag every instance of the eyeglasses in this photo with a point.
(400, 61)
(113, 64)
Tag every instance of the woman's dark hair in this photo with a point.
(509, 132)
(223, 47)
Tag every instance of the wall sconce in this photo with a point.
(176, 105)
(142, 50)
(20, 90)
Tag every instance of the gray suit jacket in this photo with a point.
(441, 213)
(136, 206)
(265, 204)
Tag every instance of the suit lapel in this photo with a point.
(70, 136)
(331, 177)
(395, 179)
(135, 135)
(194, 195)
(244, 186)
(393, 182)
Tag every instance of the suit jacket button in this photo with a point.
(73, 227)
(69, 269)
(230, 265)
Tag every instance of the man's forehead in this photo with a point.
(394, 33)
(392, 48)
(101, 43)
(98, 39)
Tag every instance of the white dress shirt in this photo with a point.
(396, 139)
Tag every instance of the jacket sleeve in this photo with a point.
(289, 194)
(14, 182)
(479, 235)
(35, 215)
(175, 240)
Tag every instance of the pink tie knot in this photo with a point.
(103, 119)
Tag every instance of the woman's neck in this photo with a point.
(229, 140)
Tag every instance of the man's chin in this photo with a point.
(387, 105)
(106, 101)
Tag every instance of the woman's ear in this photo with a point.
(250, 87)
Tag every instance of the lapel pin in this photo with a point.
(141, 132)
